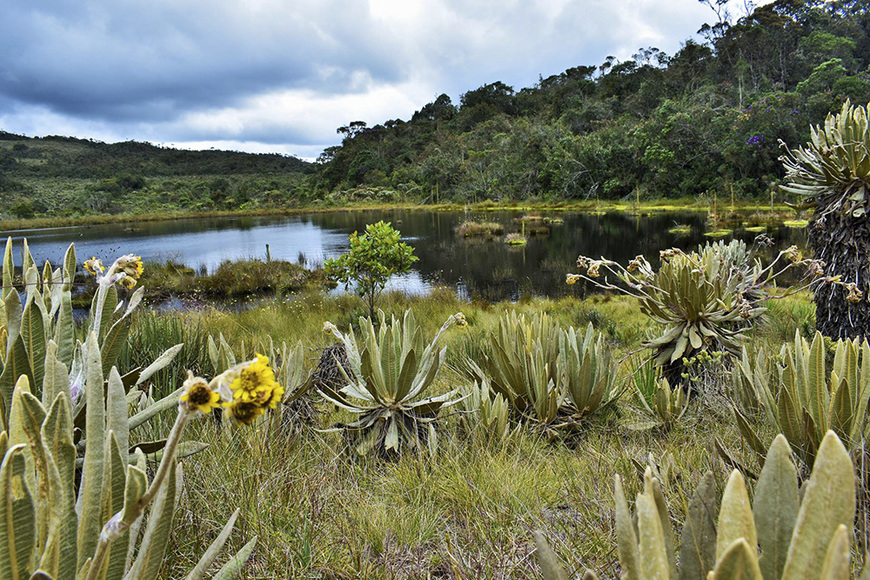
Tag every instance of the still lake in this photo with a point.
(489, 269)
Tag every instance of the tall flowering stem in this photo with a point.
(246, 390)
(125, 271)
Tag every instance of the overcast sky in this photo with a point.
(282, 75)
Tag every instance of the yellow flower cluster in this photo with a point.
(125, 271)
(245, 391)
(131, 267)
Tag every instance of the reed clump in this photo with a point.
(472, 228)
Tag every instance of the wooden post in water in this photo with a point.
(268, 254)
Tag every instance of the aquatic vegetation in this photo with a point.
(680, 230)
(515, 239)
(471, 228)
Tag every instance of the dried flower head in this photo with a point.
(571, 279)
(793, 254)
(669, 253)
(594, 266)
(854, 295)
(816, 268)
(460, 320)
(582, 262)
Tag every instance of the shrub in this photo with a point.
(373, 259)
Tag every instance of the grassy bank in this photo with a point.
(467, 511)
(777, 213)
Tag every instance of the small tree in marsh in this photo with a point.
(373, 258)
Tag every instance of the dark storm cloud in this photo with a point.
(150, 60)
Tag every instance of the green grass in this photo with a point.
(466, 512)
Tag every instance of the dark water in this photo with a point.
(488, 269)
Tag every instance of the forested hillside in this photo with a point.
(705, 119)
(61, 176)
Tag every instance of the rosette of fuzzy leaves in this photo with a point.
(702, 301)
(833, 170)
(798, 535)
(391, 368)
(551, 376)
(803, 397)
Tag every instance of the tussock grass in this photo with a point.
(472, 228)
(467, 511)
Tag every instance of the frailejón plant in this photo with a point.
(800, 536)
(39, 337)
(56, 526)
(551, 376)
(703, 301)
(833, 171)
(486, 414)
(803, 399)
(391, 368)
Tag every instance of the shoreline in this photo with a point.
(585, 206)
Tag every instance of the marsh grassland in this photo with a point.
(466, 510)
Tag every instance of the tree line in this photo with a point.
(705, 120)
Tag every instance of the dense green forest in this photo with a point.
(707, 118)
(705, 121)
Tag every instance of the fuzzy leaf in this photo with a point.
(233, 568)
(551, 569)
(735, 516)
(18, 514)
(828, 502)
(698, 542)
(776, 507)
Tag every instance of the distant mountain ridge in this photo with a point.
(84, 158)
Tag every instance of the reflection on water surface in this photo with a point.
(475, 266)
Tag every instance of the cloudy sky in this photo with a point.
(281, 75)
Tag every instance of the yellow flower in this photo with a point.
(94, 266)
(255, 383)
(460, 320)
(197, 395)
(571, 279)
